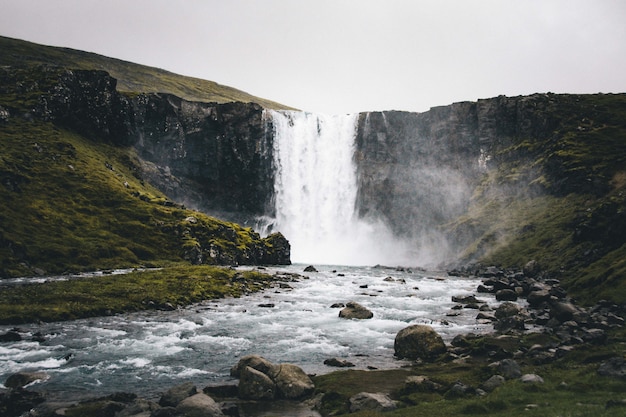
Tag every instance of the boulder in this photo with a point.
(310, 268)
(507, 309)
(614, 367)
(493, 383)
(291, 382)
(338, 363)
(531, 379)
(253, 361)
(509, 369)
(21, 379)
(355, 310)
(199, 405)
(255, 385)
(531, 269)
(563, 311)
(371, 401)
(10, 336)
(418, 342)
(17, 401)
(175, 395)
(536, 297)
(506, 295)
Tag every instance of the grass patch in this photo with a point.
(131, 78)
(572, 387)
(177, 285)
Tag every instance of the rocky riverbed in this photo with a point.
(534, 324)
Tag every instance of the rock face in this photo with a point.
(215, 157)
(418, 342)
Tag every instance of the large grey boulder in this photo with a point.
(260, 379)
(255, 385)
(371, 401)
(291, 381)
(419, 342)
(199, 405)
(355, 310)
(253, 361)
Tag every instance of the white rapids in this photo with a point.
(149, 352)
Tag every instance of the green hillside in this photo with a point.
(69, 202)
(130, 77)
(559, 200)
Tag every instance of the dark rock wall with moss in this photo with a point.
(213, 157)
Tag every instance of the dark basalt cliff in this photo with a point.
(425, 170)
(208, 156)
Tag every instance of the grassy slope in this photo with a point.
(131, 77)
(561, 201)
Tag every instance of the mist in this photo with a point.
(317, 202)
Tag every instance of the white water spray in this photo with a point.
(316, 189)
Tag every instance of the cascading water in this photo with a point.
(316, 189)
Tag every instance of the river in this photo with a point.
(149, 352)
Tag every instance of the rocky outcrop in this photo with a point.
(209, 156)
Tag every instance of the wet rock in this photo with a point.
(175, 395)
(466, 299)
(21, 379)
(10, 336)
(338, 363)
(310, 268)
(507, 309)
(537, 297)
(338, 305)
(355, 310)
(371, 401)
(255, 385)
(255, 362)
(199, 405)
(506, 295)
(291, 382)
(419, 342)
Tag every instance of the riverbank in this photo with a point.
(165, 288)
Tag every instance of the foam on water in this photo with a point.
(149, 352)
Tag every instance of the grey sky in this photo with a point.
(334, 56)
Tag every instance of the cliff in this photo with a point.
(76, 193)
(506, 180)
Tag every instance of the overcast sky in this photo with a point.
(334, 56)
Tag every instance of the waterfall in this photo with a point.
(315, 192)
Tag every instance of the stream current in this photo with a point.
(149, 352)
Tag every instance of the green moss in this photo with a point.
(177, 285)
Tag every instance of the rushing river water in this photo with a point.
(147, 353)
